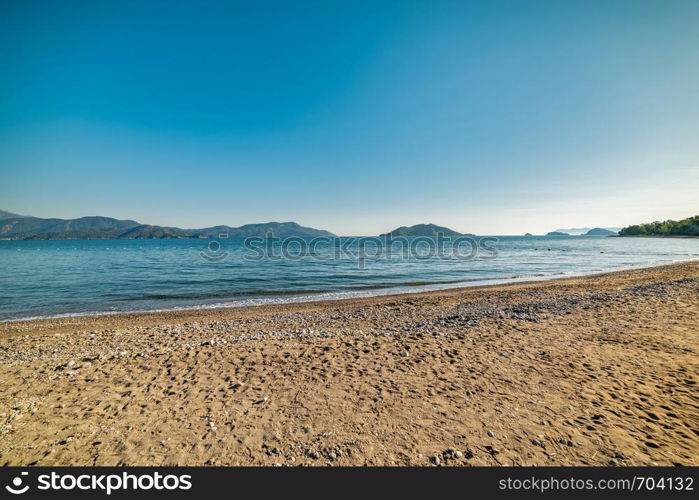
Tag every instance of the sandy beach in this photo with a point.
(598, 370)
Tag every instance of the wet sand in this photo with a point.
(598, 370)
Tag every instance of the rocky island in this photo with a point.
(423, 230)
(600, 231)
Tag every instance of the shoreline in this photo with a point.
(669, 236)
(391, 291)
(595, 370)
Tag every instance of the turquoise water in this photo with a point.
(55, 278)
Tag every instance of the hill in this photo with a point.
(577, 231)
(274, 229)
(557, 233)
(423, 230)
(148, 232)
(600, 231)
(17, 227)
(684, 227)
(572, 231)
(8, 215)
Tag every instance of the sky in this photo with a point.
(498, 117)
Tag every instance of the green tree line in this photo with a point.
(684, 227)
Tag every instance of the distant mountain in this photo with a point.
(528, 234)
(88, 234)
(274, 229)
(148, 232)
(8, 215)
(575, 231)
(684, 227)
(557, 233)
(19, 228)
(16, 227)
(422, 230)
(600, 231)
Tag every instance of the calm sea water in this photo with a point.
(55, 278)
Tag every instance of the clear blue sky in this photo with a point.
(356, 117)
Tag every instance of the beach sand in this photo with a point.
(597, 370)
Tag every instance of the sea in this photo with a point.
(45, 279)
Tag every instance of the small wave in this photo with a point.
(271, 297)
(223, 295)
